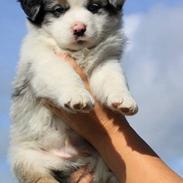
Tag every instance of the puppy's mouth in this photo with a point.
(81, 42)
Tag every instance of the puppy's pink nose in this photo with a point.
(79, 29)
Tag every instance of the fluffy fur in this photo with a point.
(43, 148)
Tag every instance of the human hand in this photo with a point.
(110, 134)
(83, 175)
(96, 127)
(86, 124)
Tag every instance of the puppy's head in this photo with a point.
(75, 24)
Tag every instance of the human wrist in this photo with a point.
(105, 125)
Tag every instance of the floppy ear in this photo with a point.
(118, 4)
(32, 8)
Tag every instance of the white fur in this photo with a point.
(40, 140)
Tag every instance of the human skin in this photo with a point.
(127, 155)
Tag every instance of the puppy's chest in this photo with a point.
(86, 59)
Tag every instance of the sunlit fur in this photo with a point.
(43, 148)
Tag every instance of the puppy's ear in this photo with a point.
(32, 8)
(118, 4)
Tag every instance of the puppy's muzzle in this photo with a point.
(79, 29)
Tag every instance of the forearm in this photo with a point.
(129, 157)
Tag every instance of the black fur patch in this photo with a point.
(21, 86)
(111, 9)
(34, 10)
(118, 4)
(60, 176)
(114, 9)
(20, 90)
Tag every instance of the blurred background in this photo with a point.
(154, 66)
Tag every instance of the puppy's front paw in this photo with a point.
(122, 102)
(77, 100)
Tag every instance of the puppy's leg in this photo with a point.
(33, 177)
(54, 79)
(35, 166)
(109, 85)
(26, 174)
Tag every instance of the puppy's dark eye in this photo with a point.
(94, 8)
(58, 10)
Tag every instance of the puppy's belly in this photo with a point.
(70, 152)
(68, 145)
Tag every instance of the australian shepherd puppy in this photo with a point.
(43, 148)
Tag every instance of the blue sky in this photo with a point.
(155, 32)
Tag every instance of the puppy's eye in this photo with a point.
(94, 8)
(58, 10)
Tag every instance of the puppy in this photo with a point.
(43, 148)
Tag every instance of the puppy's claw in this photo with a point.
(122, 103)
(77, 100)
(127, 110)
(78, 106)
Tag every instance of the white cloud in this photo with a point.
(131, 24)
(154, 66)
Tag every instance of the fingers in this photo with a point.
(83, 175)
